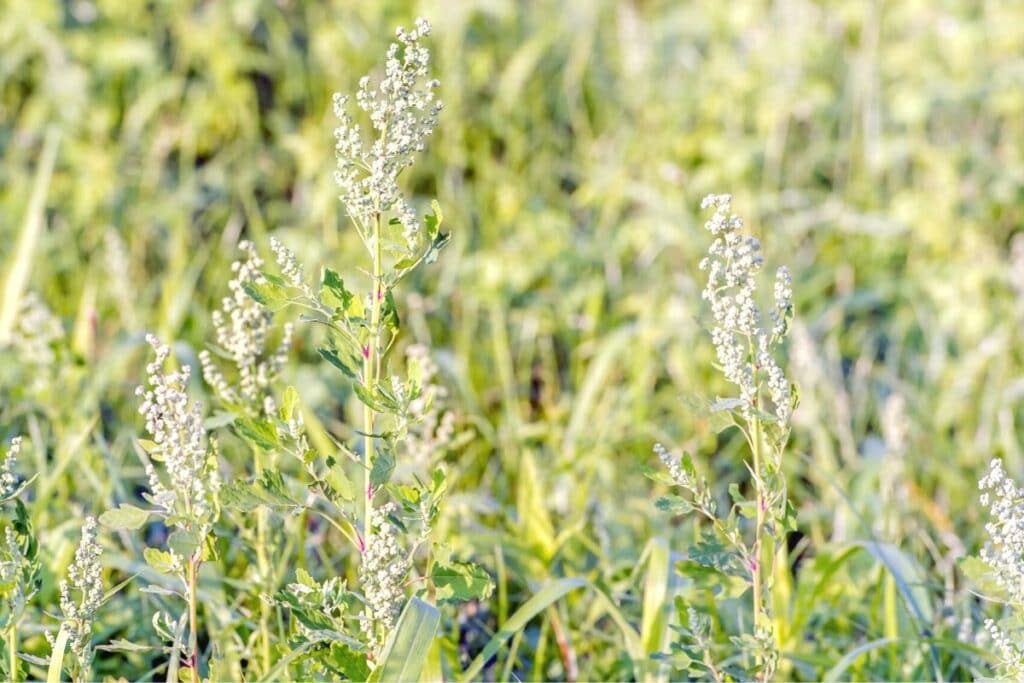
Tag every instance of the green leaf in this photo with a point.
(654, 622)
(383, 467)
(332, 357)
(291, 399)
(389, 312)
(124, 517)
(270, 293)
(518, 621)
(408, 645)
(369, 398)
(461, 581)
(434, 219)
(184, 543)
(259, 433)
(269, 490)
(349, 662)
(159, 560)
(333, 291)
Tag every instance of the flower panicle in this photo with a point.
(403, 109)
(744, 345)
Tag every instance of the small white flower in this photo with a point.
(176, 427)
(8, 478)
(242, 327)
(403, 111)
(743, 346)
(382, 576)
(85, 577)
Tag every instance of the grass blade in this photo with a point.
(20, 267)
(408, 646)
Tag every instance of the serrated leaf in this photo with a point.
(269, 490)
(369, 398)
(675, 505)
(333, 291)
(461, 581)
(269, 293)
(159, 560)
(383, 467)
(349, 662)
(124, 517)
(332, 357)
(389, 312)
(259, 433)
(434, 219)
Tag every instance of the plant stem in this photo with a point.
(758, 529)
(12, 650)
(371, 367)
(264, 567)
(193, 621)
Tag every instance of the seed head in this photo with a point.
(403, 111)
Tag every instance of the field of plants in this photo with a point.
(572, 340)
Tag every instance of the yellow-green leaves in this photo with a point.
(124, 517)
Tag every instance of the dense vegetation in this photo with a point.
(445, 423)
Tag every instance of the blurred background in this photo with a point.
(876, 148)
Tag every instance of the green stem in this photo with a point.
(193, 621)
(12, 650)
(371, 370)
(757, 571)
(263, 563)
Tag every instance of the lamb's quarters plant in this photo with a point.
(998, 572)
(743, 545)
(388, 522)
(183, 494)
(558, 338)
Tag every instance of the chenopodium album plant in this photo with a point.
(362, 631)
(19, 556)
(739, 549)
(183, 496)
(1000, 572)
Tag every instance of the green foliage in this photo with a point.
(873, 147)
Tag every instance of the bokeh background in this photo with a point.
(876, 148)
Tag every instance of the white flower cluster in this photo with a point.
(1004, 553)
(36, 331)
(1004, 501)
(675, 469)
(382, 576)
(432, 428)
(85, 576)
(744, 347)
(403, 110)
(8, 478)
(1009, 650)
(241, 328)
(290, 267)
(176, 427)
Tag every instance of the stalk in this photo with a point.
(12, 650)
(757, 569)
(193, 620)
(758, 529)
(264, 566)
(371, 369)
